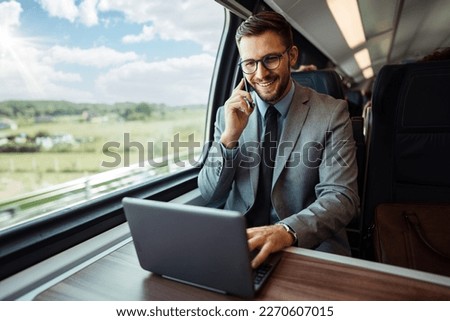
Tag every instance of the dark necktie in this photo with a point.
(259, 214)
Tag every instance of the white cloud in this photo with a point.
(88, 12)
(85, 12)
(65, 9)
(98, 57)
(58, 76)
(173, 20)
(147, 34)
(135, 11)
(10, 14)
(30, 70)
(176, 81)
(33, 74)
(26, 75)
(168, 18)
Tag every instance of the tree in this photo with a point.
(145, 109)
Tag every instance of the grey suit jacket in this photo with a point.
(314, 187)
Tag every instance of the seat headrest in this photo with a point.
(323, 81)
(418, 92)
(355, 97)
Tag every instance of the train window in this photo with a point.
(99, 95)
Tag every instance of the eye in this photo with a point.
(271, 59)
(249, 63)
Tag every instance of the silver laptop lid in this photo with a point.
(198, 245)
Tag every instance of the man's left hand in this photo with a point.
(267, 239)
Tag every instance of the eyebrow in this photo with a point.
(269, 54)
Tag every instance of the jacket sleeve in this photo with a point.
(217, 174)
(337, 200)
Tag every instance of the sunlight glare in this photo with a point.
(10, 48)
(6, 38)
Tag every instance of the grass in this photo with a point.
(27, 172)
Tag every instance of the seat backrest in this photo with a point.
(355, 102)
(409, 147)
(323, 81)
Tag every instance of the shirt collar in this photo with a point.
(282, 106)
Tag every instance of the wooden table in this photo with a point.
(301, 275)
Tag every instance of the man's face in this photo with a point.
(271, 85)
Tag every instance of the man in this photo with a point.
(312, 189)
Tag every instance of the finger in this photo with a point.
(252, 232)
(240, 85)
(244, 105)
(253, 239)
(240, 90)
(249, 102)
(238, 103)
(252, 244)
(239, 93)
(262, 255)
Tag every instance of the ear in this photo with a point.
(293, 56)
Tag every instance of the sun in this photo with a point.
(12, 49)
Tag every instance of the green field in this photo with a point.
(27, 172)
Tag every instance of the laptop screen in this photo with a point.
(193, 244)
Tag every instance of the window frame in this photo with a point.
(26, 244)
(31, 242)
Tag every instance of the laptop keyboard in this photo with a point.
(261, 273)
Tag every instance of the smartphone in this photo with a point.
(247, 89)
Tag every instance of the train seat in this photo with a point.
(355, 102)
(323, 81)
(408, 153)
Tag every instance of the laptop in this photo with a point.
(200, 246)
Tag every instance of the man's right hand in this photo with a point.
(237, 111)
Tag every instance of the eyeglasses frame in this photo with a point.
(279, 55)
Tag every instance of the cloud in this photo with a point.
(170, 20)
(148, 33)
(32, 70)
(88, 12)
(65, 9)
(39, 81)
(10, 14)
(26, 75)
(85, 12)
(175, 81)
(99, 57)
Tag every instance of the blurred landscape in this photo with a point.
(44, 143)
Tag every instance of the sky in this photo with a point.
(106, 51)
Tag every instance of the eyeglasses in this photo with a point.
(271, 62)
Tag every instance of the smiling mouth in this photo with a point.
(266, 83)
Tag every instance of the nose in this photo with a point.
(261, 71)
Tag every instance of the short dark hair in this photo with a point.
(265, 21)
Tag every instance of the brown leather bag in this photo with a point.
(415, 236)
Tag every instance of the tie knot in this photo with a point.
(271, 112)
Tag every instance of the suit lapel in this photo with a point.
(291, 130)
